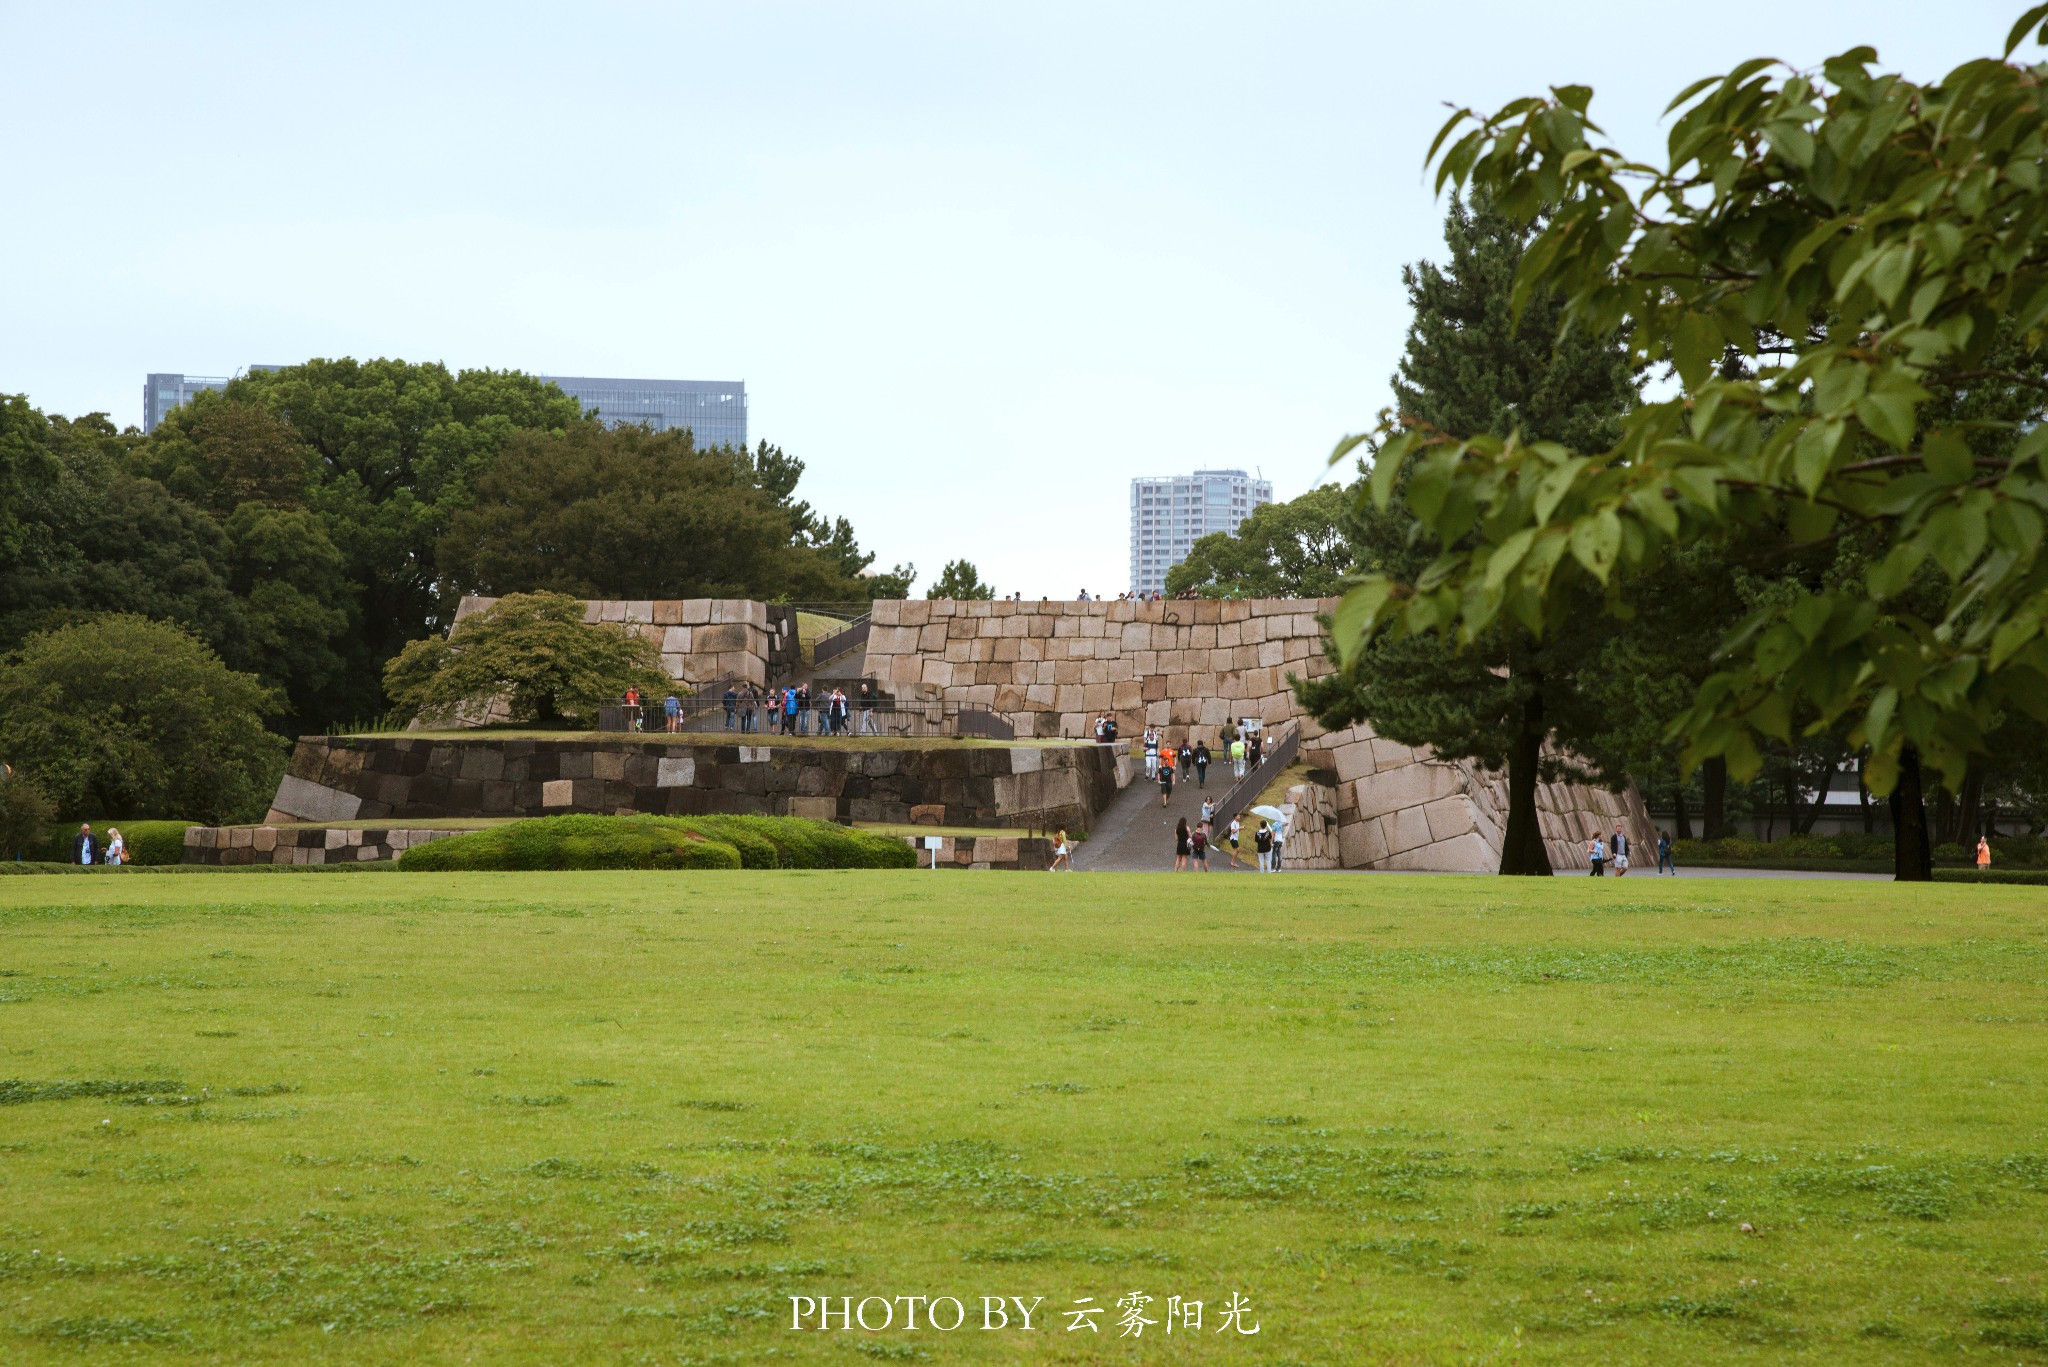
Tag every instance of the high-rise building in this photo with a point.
(162, 393)
(1169, 513)
(715, 411)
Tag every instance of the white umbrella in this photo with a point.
(1273, 814)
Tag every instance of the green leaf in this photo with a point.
(2032, 19)
(1813, 455)
(1948, 457)
(1877, 721)
(1696, 347)
(2012, 636)
(1353, 623)
(1888, 417)
(1809, 521)
(1596, 541)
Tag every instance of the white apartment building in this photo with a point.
(1169, 513)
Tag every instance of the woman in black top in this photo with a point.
(1180, 846)
(1201, 764)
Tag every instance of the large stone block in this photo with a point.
(676, 771)
(1405, 829)
(301, 800)
(816, 808)
(1448, 817)
(560, 792)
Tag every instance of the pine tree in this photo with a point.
(1471, 366)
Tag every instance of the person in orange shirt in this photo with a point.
(1983, 852)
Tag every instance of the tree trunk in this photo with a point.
(1714, 779)
(1969, 807)
(1681, 824)
(1912, 859)
(1944, 823)
(1521, 847)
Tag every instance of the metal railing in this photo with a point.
(850, 637)
(1281, 745)
(704, 714)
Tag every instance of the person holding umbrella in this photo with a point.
(1271, 833)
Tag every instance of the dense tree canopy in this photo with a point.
(297, 522)
(1831, 265)
(960, 580)
(1509, 698)
(121, 717)
(603, 512)
(1297, 549)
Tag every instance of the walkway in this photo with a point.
(1134, 834)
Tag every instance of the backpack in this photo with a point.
(1198, 842)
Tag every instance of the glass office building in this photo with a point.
(1169, 513)
(162, 393)
(715, 411)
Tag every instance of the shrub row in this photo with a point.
(149, 842)
(661, 842)
(2023, 851)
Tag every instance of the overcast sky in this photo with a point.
(978, 266)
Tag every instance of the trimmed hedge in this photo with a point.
(1848, 853)
(660, 842)
(149, 842)
(1994, 874)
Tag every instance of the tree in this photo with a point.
(1866, 244)
(959, 580)
(1297, 549)
(24, 814)
(1509, 698)
(124, 717)
(396, 449)
(534, 652)
(620, 512)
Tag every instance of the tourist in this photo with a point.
(85, 849)
(633, 706)
(1236, 830)
(1983, 852)
(732, 706)
(672, 711)
(1201, 764)
(1198, 849)
(750, 703)
(1110, 726)
(844, 710)
(1187, 759)
(1263, 843)
(1060, 852)
(1084, 597)
(1619, 850)
(1279, 847)
(867, 708)
(1101, 730)
(1237, 757)
(774, 709)
(1165, 777)
(792, 707)
(1665, 863)
(1180, 846)
(1596, 854)
(117, 848)
(1151, 741)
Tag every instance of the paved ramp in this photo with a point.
(1135, 834)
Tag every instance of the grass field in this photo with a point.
(622, 1118)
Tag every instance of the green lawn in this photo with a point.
(621, 1118)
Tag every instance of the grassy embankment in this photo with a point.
(549, 1118)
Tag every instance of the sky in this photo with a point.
(978, 266)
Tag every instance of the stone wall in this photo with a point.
(1401, 808)
(700, 639)
(301, 844)
(1028, 853)
(340, 778)
(1052, 667)
(1312, 841)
